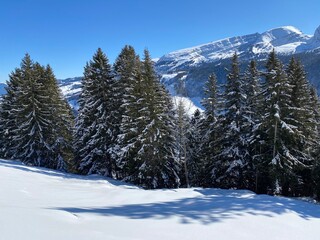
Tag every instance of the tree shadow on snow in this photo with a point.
(213, 205)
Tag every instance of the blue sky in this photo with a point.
(66, 33)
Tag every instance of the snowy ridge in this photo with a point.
(285, 40)
(38, 203)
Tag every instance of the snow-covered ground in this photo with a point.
(37, 204)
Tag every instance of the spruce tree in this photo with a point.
(94, 133)
(279, 131)
(252, 89)
(304, 119)
(208, 127)
(129, 90)
(8, 122)
(30, 114)
(228, 169)
(182, 122)
(194, 140)
(154, 161)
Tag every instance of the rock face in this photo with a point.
(316, 35)
(189, 68)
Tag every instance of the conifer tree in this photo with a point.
(208, 128)
(228, 170)
(129, 90)
(279, 130)
(252, 89)
(8, 114)
(194, 143)
(63, 123)
(30, 116)
(95, 132)
(155, 166)
(182, 141)
(304, 119)
(316, 148)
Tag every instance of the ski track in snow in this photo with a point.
(37, 204)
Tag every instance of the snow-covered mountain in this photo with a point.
(192, 66)
(2, 88)
(285, 40)
(38, 203)
(189, 68)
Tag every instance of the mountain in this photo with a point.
(185, 71)
(2, 88)
(38, 203)
(189, 68)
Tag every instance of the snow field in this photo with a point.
(37, 204)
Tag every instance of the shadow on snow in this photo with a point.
(212, 206)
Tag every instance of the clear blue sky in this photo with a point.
(66, 33)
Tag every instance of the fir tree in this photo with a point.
(228, 170)
(182, 141)
(154, 160)
(279, 131)
(194, 143)
(95, 132)
(31, 109)
(8, 119)
(208, 128)
(129, 103)
(252, 88)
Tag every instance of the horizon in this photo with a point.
(66, 34)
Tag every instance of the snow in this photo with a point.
(37, 204)
(188, 104)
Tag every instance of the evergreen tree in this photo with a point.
(278, 131)
(95, 132)
(252, 88)
(228, 170)
(63, 123)
(30, 112)
(194, 143)
(182, 141)
(304, 119)
(155, 166)
(316, 148)
(128, 115)
(8, 120)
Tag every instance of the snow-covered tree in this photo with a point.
(252, 114)
(129, 98)
(228, 169)
(182, 123)
(208, 128)
(95, 131)
(153, 164)
(31, 117)
(194, 143)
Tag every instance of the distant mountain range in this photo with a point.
(191, 67)
(185, 71)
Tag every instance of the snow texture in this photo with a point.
(37, 204)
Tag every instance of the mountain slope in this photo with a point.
(38, 203)
(192, 66)
(185, 71)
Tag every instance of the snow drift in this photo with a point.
(37, 203)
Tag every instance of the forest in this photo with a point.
(259, 130)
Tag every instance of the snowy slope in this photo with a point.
(37, 204)
(285, 40)
(192, 66)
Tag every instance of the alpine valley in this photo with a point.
(185, 71)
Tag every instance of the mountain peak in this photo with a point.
(286, 29)
(316, 35)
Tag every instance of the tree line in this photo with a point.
(259, 130)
